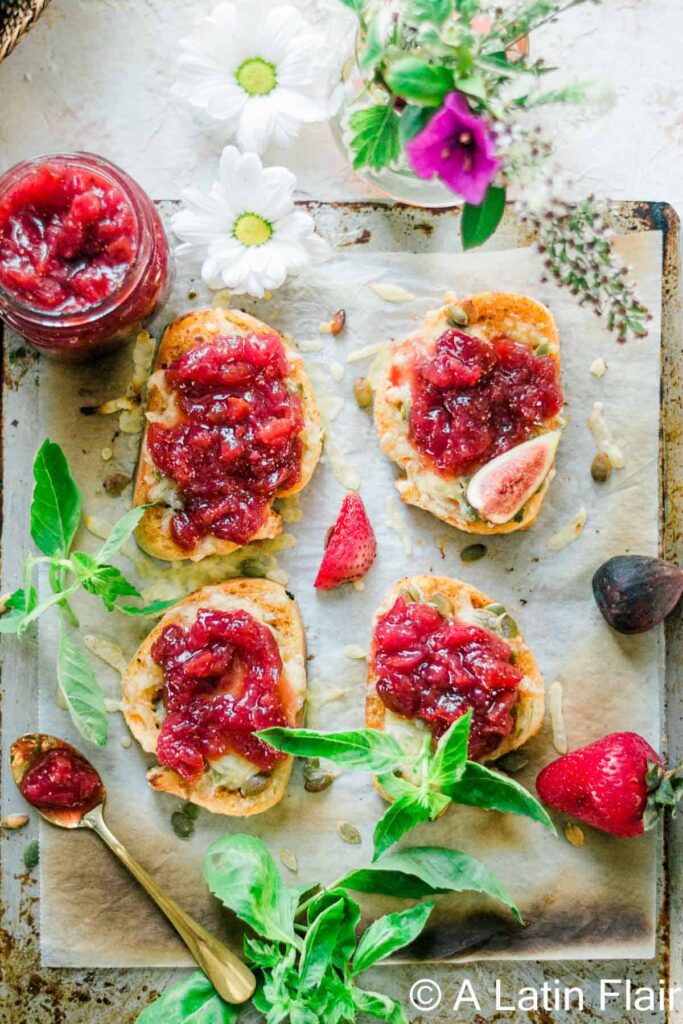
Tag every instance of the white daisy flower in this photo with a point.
(246, 230)
(260, 68)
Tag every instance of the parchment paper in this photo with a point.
(580, 902)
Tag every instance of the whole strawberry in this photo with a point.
(350, 547)
(617, 784)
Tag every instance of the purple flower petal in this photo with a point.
(458, 147)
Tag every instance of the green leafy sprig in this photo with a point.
(420, 786)
(56, 513)
(304, 947)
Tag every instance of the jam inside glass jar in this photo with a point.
(433, 667)
(222, 682)
(84, 259)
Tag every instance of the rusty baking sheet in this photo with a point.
(29, 992)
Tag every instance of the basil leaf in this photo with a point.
(261, 954)
(57, 501)
(402, 816)
(479, 222)
(319, 945)
(360, 748)
(413, 120)
(378, 1006)
(16, 607)
(417, 81)
(109, 583)
(192, 1001)
(346, 931)
(481, 787)
(119, 534)
(395, 786)
(80, 689)
(374, 139)
(240, 871)
(302, 1015)
(153, 608)
(427, 870)
(450, 758)
(388, 934)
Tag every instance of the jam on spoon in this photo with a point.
(67, 791)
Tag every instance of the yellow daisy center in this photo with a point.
(250, 229)
(256, 76)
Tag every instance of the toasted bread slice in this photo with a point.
(464, 600)
(143, 684)
(488, 314)
(153, 533)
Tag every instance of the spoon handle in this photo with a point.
(232, 979)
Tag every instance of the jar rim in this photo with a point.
(140, 205)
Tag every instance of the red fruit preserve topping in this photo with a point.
(68, 237)
(238, 443)
(474, 399)
(222, 680)
(61, 779)
(435, 668)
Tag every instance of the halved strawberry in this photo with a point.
(617, 784)
(350, 548)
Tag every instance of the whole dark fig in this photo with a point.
(635, 592)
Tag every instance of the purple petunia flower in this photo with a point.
(458, 147)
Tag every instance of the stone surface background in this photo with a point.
(96, 74)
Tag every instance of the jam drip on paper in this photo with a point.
(239, 441)
(221, 683)
(433, 667)
(474, 399)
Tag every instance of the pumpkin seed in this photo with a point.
(442, 604)
(349, 833)
(496, 609)
(601, 467)
(457, 316)
(289, 860)
(513, 762)
(411, 593)
(362, 392)
(473, 552)
(182, 825)
(405, 410)
(31, 855)
(509, 627)
(316, 779)
(574, 834)
(116, 484)
(255, 785)
(543, 349)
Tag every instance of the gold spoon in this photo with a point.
(232, 979)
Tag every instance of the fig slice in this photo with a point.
(636, 592)
(503, 486)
